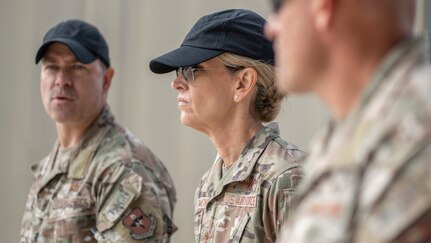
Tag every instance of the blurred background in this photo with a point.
(136, 31)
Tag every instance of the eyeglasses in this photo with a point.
(277, 4)
(187, 72)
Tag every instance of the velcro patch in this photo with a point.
(140, 225)
(117, 205)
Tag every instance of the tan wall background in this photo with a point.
(136, 31)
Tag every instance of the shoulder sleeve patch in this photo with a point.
(140, 225)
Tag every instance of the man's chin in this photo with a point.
(61, 117)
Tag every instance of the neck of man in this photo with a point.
(351, 70)
(362, 36)
(70, 134)
(231, 137)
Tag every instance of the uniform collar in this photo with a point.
(322, 140)
(243, 167)
(354, 125)
(92, 136)
(388, 64)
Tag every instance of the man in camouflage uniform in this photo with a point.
(100, 183)
(226, 89)
(368, 173)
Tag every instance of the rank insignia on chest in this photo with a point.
(141, 226)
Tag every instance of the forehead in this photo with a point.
(57, 51)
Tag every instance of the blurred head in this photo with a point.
(211, 92)
(299, 52)
(75, 73)
(311, 37)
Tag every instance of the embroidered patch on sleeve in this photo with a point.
(140, 225)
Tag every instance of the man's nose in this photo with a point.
(63, 78)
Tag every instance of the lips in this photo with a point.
(182, 101)
(62, 95)
(61, 98)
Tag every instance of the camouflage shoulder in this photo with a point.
(37, 166)
(283, 160)
(294, 151)
(132, 209)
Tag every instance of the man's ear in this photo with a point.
(323, 12)
(107, 79)
(245, 81)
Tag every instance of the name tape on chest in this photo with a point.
(240, 200)
(231, 199)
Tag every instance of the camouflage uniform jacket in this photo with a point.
(109, 188)
(250, 200)
(368, 177)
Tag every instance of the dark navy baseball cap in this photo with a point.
(237, 31)
(83, 39)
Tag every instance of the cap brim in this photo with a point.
(182, 57)
(81, 53)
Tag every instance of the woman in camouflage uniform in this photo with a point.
(225, 81)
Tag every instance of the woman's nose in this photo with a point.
(179, 83)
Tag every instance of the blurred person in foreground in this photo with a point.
(225, 85)
(100, 183)
(368, 173)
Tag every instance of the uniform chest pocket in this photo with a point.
(70, 219)
(198, 223)
(221, 225)
(230, 224)
(70, 207)
(238, 231)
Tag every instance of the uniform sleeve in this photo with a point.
(420, 231)
(404, 207)
(418, 177)
(130, 208)
(279, 200)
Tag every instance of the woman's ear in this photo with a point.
(245, 81)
